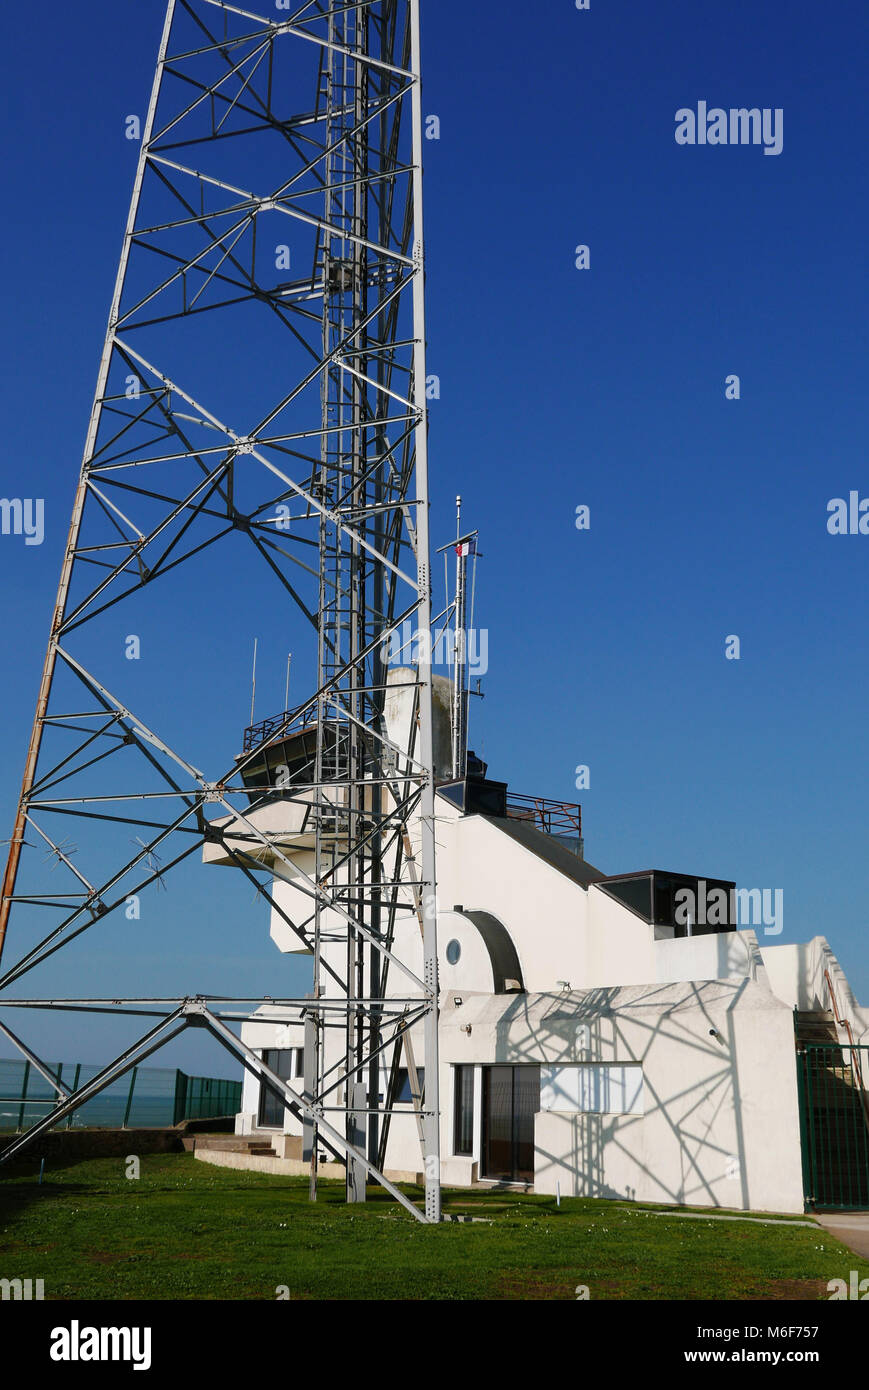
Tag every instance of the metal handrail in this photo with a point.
(256, 734)
(855, 1054)
(552, 817)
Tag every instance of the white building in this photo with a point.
(591, 1041)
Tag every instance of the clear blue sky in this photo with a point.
(559, 387)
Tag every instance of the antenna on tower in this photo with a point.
(253, 681)
(465, 547)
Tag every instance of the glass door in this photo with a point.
(511, 1098)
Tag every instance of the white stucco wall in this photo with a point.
(561, 930)
(720, 1125)
(797, 975)
(714, 957)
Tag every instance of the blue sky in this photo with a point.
(559, 387)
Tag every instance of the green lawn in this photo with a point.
(188, 1230)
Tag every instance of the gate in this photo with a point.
(834, 1124)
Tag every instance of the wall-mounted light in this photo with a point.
(458, 1001)
(466, 1028)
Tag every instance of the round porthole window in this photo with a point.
(454, 950)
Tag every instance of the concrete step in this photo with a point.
(492, 1185)
(235, 1143)
(815, 1026)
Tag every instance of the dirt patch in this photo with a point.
(546, 1291)
(551, 1285)
(809, 1290)
(526, 1289)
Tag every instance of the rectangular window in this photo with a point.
(463, 1123)
(595, 1088)
(287, 1063)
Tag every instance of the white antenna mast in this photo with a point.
(459, 730)
(464, 545)
(253, 682)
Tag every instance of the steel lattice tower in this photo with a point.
(326, 489)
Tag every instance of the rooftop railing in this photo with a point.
(552, 817)
(266, 729)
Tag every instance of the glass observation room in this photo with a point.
(678, 904)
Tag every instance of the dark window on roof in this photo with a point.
(635, 892)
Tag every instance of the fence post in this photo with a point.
(805, 1126)
(180, 1097)
(75, 1081)
(23, 1106)
(130, 1097)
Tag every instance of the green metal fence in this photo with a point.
(146, 1097)
(834, 1121)
(204, 1098)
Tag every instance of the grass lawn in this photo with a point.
(188, 1230)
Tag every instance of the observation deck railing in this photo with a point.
(552, 817)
